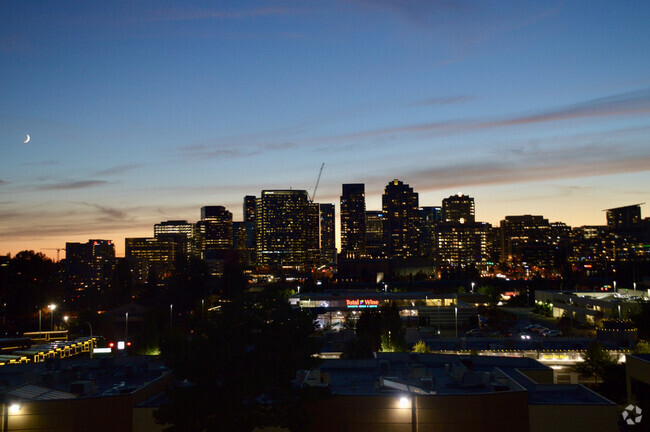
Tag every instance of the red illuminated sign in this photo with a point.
(362, 303)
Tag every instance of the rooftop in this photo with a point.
(442, 374)
(80, 377)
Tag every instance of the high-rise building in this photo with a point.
(526, 239)
(250, 203)
(90, 264)
(353, 220)
(458, 208)
(249, 208)
(463, 245)
(183, 230)
(327, 234)
(429, 217)
(287, 229)
(152, 256)
(402, 229)
(624, 218)
(375, 245)
(215, 228)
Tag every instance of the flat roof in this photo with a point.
(447, 374)
(109, 375)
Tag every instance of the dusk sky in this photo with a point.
(140, 112)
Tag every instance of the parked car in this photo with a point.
(552, 333)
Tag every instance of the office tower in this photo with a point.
(353, 220)
(624, 218)
(90, 264)
(327, 234)
(463, 245)
(375, 246)
(429, 217)
(152, 256)
(458, 208)
(250, 204)
(526, 239)
(402, 229)
(249, 208)
(215, 228)
(183, 230)
(287, 229)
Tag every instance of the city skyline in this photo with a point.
(144, 113)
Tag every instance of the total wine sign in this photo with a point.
(361, 303)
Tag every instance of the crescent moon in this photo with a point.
(27, 140)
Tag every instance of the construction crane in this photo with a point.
(58, 250)
(313, 195)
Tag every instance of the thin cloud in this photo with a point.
(241, 150)
(443, 100)
(188, 14)
(558, 166)
(107, 211)
(117, 170)
(44, 163)
(80, 184)
(3, 182)
(630, 103)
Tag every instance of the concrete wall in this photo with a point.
(505, 412)
(97, 414)
(572, 418)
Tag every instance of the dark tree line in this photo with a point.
(239, 366)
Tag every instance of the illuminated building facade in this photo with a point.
(375, 223)
(152, 256)
(183, 230)
(429, 217)
(287, 226)
(90, 264)
(250, 203)
(458, 208)
(527, 239)
(462, 245)
(624, 218)
(215, 229)
(327, 234)
(402, 229)
(353, 220)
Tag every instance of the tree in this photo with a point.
(641, 347)
(492, 293)
(595, 361)
(28, 283)
(244, 358)
(368, 336)
(392, 329)
(421, 347)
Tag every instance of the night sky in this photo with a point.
(146, 111)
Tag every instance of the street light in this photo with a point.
(473, 286)
(12, 409)
(456, 315)
(51, 307)
(406, 402)
(171, 307)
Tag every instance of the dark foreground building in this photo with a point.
(402, 392)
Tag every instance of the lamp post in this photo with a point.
(9, 408)
(456, 318)
(51, 307)
(404, 402)
(171, 320)
(126, 329)
(473, 283)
